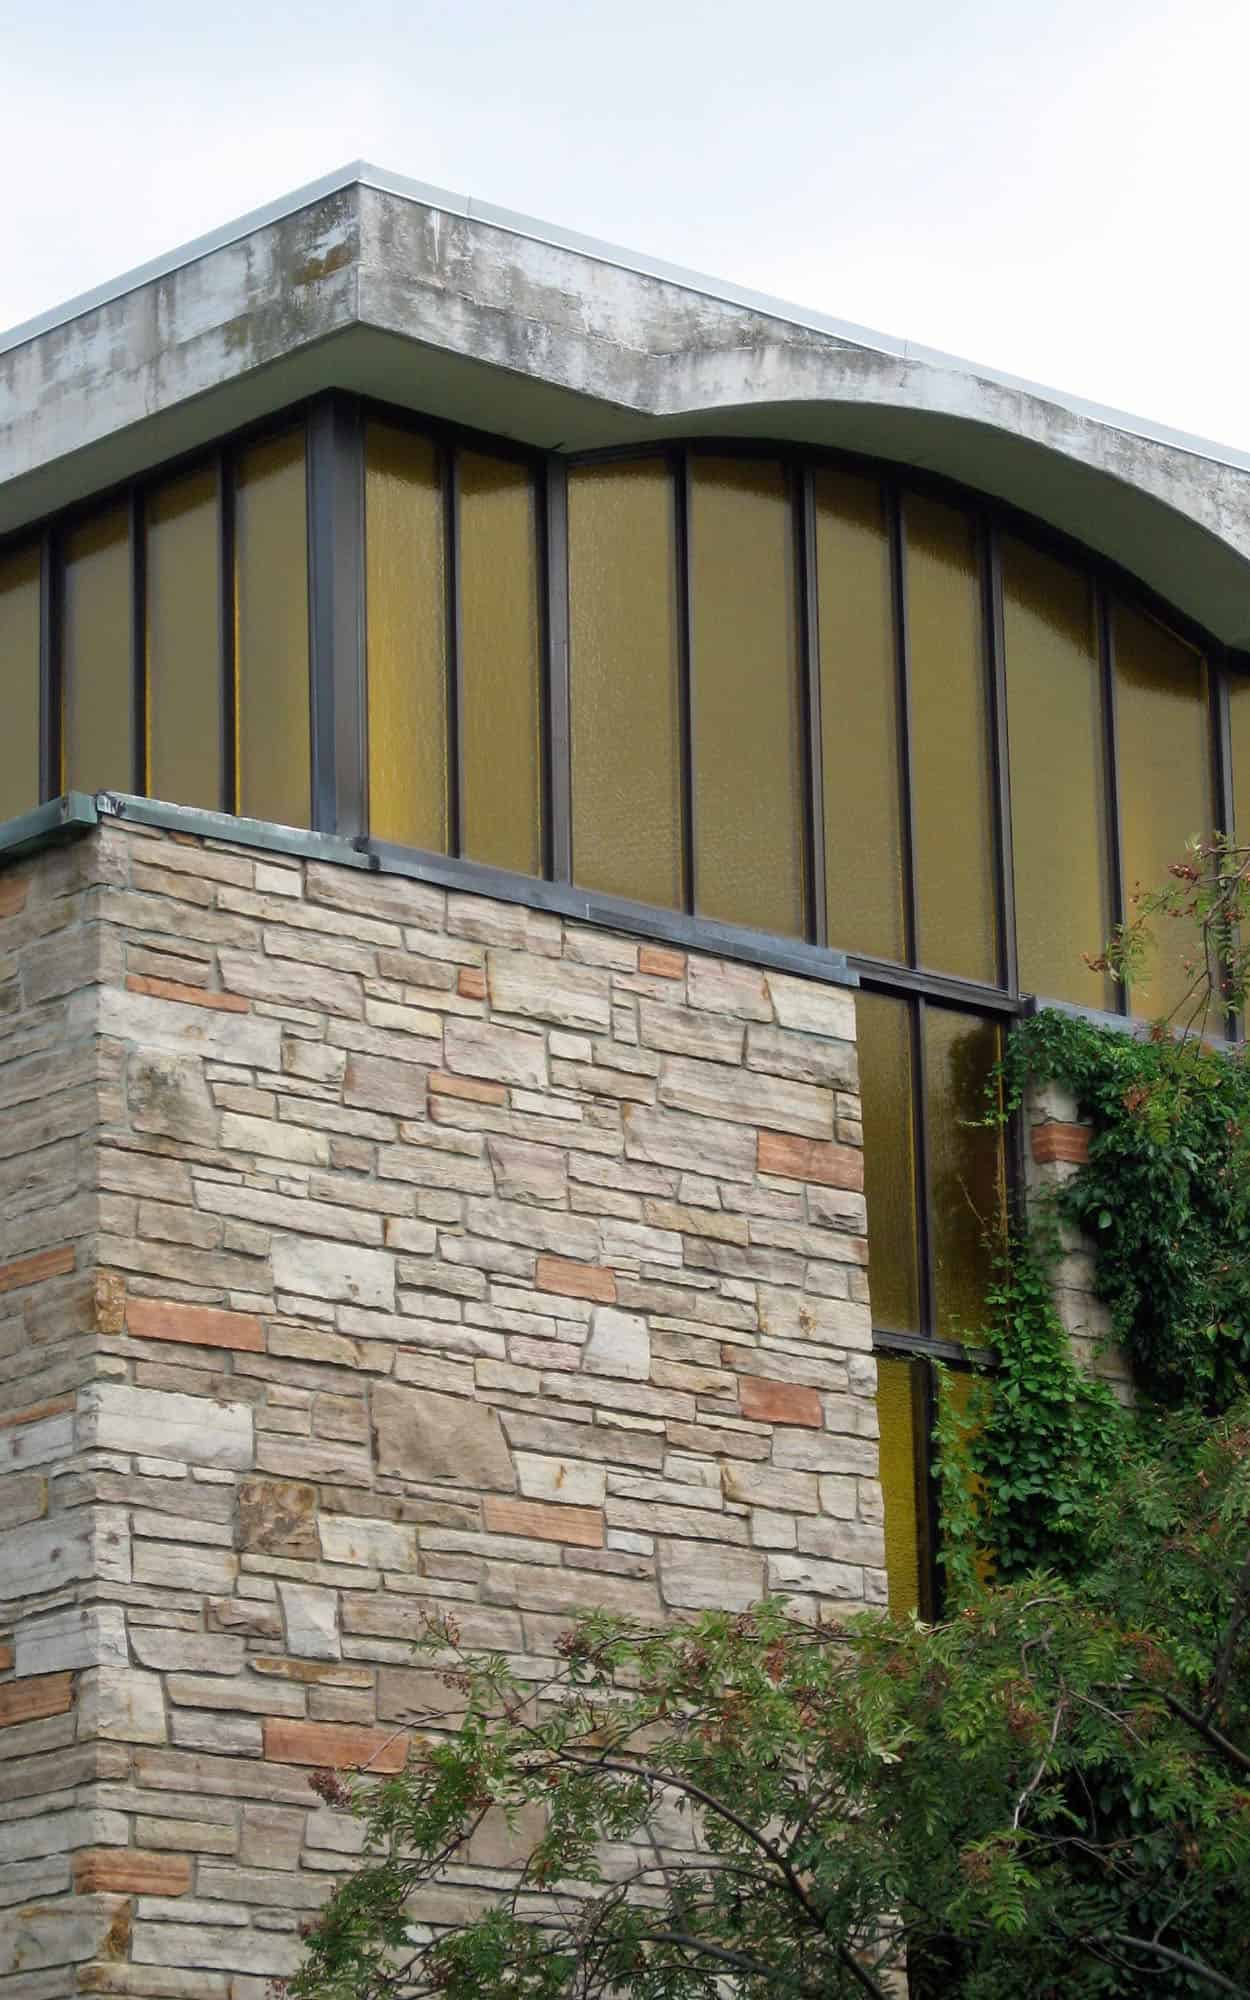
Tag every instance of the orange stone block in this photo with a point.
(30, 1700)
(779, 1402)
(12, 895)
(576, 1281)
(6, 1658)
(1058, 1142)
(819, 1160)
(130, 1871)
(543, 1522)
(199, 1326)
(29, 1270)
(341, 1745)
(193, 996)
(662, 964)
(34, 1413)
(470, 1088)
(471, 983)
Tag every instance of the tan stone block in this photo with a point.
(199, 1326)
(1059, 1143)
(13, 893)
(167, 1093)
(379, 1084)
(728, 989)
(470, 1089)
(779, 1402)
(681, 1139)
(573, 1280)
(525, 1172)
(502, 1055)
(440, 1440)
(122, 1704)
(471, 982)
(23, 1499)
(339, 1745)
(582, 1526)
(279, 1517)
(813, 1007)
(702, 1576)
(271, 1836)
(567, 995)
(568, 1481)
(129, 1871)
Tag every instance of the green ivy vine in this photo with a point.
(1165, 1202)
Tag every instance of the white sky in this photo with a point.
(1057, 191)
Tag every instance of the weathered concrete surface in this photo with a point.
(422, 299)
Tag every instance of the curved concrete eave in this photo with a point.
(500, 323)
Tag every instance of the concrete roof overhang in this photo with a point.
(370, 283)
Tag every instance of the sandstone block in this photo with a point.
(115, 1416)
(22, 1271)
(573, 1280)
(309, 1268)
(30, 1700)
(501, 1055)
(582, 1526)
(789, 1573)
(813, 1007)
(440, 1440)
(199, 1326)
(129, 1871)
(800, 1159)
(779, 1402)
(369, 1544)
(169, 1027)
(570, 1481)
(1059, 1143)
(80, 1636)
(524, 1172)
(24, 1498)
(272, 1139)
(338, 1745)
(619, 1343)
(567, 995)
(700, 1576)
(803, 1058)
(271, 1836)
(279, 1517)
(727, 989)
(659, 963)
(122, 1705)
(378, 1084)
(721, 1091)
(678, 1139)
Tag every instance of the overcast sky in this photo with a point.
(1059, 191)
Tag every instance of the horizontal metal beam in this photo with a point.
(47, 826)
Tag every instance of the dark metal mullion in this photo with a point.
(137, 524)
(336, 586)
(996, 680)
(1224, 816)
(51, 755)
(226, 633)
(809, 634)
(926, 1273)
(1111, 780)
(450, 464)
(902, 659)
(685, 668)
(558, 775)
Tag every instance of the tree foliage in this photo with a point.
(1047, 1793)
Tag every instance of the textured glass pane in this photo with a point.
(885, 1079)
(965, 1167)
(1239, 733)
(748, 786)
(501, 679)
(407, 635)
(859, 718)
(184, 642)
(271, 622)
(900, 1415)
(19, 678)
(99, 734)
(1164, 773)
(1059, 828)
(950, 756)
(623, 664)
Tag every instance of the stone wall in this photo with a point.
(1058, 1147)
(371, 1248)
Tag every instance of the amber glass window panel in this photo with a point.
(859, 718)
(625, 697)
(886, 1083)
(19, 678)
(748, 783)
(966, 1167)
(1239, 745)
(407, 638)
(183, 572)
(901, 1458)
(97, 656)
(1163, 759)
(500, 665)
(271, 632)
(950, 746)
(1058, 804)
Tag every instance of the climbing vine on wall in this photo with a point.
(1164, 1201)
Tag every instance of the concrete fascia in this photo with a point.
(367, 281)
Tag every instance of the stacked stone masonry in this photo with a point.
(1058, 1148)
(366, 1249)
